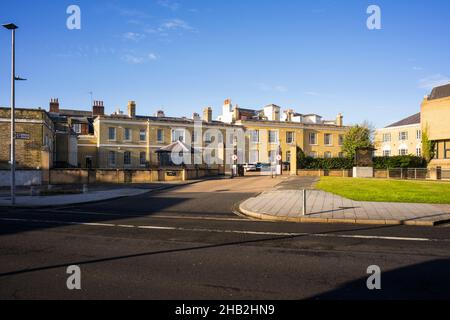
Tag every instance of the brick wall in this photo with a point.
(35, 124)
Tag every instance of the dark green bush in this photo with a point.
(347, 163)
(399, 162)
(325, 164)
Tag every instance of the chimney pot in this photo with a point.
(98, 109)
(207, 114)
(131, 109)
(54, 105)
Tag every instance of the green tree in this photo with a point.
(428, 146)
(357, 137)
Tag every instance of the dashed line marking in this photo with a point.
(280, 234)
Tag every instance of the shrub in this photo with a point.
(399, 162)
(347, 163)
(325, 164)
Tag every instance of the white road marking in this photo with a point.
(148, 216)
(281, 234)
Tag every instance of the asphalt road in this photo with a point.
(187, 243)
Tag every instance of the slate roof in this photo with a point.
(414, 119)
(440, 92)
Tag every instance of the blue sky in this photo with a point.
(314, 56)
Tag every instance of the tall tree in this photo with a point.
(357, 137)
(428, 146)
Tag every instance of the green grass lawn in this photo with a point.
(387, 190)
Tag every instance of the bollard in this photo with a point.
(304, 202)
(34, 191)
(85, 188)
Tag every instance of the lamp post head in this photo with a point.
(20, 79)
(10, 26)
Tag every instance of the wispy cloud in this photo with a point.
(131, 13)
(139, 59)
(415, 68)
(175, 24)
(312, 93)
(133, 36)
(169, 4)
(433, 81)
(168, 26)
(276, 88)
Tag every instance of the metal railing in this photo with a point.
(413, 174)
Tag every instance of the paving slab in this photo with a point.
(324, 207)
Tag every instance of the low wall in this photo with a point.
(381, 173)
(193, 174)
(325, 173)
(112, 176)
(24, 178)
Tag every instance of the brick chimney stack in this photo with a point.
(207, 114)
(131, 109)
(54, 105)
(340, 120)
(98, 109)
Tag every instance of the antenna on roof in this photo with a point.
(92, 97)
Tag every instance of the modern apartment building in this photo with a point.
(401, 138)
(436, 123)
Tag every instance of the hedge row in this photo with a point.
(346, 163)
(399, 162)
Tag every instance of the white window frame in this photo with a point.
(254, 136)
(130, 159)
(419, 152)
(292, 137)
(276, 136)
(77, 127)
(142, 134)
(130, 134)
(419, 134)
(311, 135)
(112, 159)
(144, 162)
(183, 135)
(115, 134)
(403, 136)
(328, 155)
(162, 136)
(387, 137)
(328, 135)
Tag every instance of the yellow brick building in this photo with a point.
(131, 141)
(316, 140)
(34, 139)
(435, 112)
(401, 138)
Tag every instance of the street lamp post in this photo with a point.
(13, 28)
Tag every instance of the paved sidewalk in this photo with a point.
(323, 207)
(47, 201)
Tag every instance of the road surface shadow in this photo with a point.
(428, 280)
